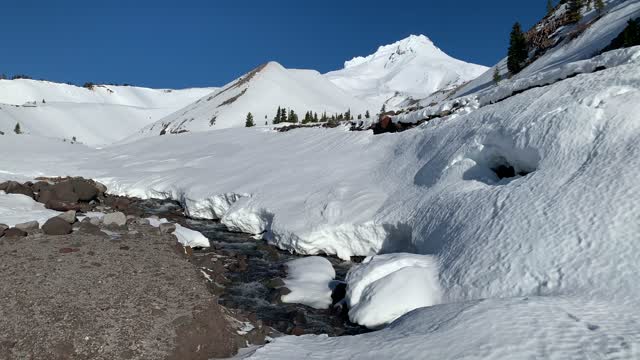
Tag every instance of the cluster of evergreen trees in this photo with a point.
(630, 36)
(283, 116)
(518, 47)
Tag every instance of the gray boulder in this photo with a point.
(57, 226)
(116, 218)
(69, 216)
(28, 226)
(167, 228)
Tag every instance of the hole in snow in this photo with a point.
(500, 163)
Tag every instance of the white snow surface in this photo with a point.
(309, 279)
(260, 92)
(18, 208)
(385, 287)
(555, 328)
(553, 249)
(429, 190)
(99, 116)
(186, 236)
(410, 68)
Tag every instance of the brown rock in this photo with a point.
(40, 186)
(57, 226)
(14, 233)
(85, 189)
(59, 205)
(14, 187)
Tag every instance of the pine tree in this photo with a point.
(359, 116)
(517, 55)
(249, 122)
(496, 76)
(17, 129)
(277, 119)
(293, 117)
(599, 4)
(283, 115)
(574, 10)
(367, 115)
(631, 34)
(315, 117)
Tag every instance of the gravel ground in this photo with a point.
(127, 294)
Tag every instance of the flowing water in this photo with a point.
(249, 266)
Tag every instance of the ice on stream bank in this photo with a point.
(309, 280)
(186, 237)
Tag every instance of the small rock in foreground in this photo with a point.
(28, 226)
(116, 218)
(14, 233)
(57, 226)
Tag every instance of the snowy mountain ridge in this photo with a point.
(260, 91)
(410, 68)
(98, 115)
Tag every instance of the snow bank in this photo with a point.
(385, 287)
(552, 328)
(18, 208)
(309, 280)
(186, 237)
(607, 60)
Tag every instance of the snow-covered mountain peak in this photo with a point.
(411, 46)
(413, 67)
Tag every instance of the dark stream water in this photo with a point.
(249, 266)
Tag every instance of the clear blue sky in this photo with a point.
(184, 43)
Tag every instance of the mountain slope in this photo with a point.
(97, 116)
(410, 68)
(260, 92)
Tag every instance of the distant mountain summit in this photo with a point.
(410, 68)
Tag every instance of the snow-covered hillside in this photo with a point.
(518, 214)
(410, 68)
(97, 116)
(260, 92)
(562, 230)
(595, 37)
